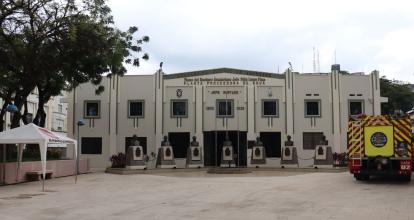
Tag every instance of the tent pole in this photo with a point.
(18, 163)
(4, 163)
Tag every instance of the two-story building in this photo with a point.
(210, 103)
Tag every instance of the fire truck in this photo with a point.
(380, 146)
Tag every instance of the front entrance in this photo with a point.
(213, 144)
(272, 143)
(179, 141)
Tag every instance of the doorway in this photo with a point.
(179, 141)
(213, 144)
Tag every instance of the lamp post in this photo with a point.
(79, 124)
(12, 108)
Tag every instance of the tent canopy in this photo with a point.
(32, 134)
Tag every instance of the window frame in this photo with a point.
(82, 145)
(315, 142)
(319, 108)
(172, 107)
(356, 100)
(129, 108)
(277, 108)
(218, 110)
(85, 108)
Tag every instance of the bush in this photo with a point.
(118, 160)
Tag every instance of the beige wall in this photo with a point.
(334, 91)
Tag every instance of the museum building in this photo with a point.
(215, 103)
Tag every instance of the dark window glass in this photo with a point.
(355, 107)
(270, 108)
(225, 108)
(91, 145)
(312, 108)
(179, 108)
(136, 109)
(92, 109)
(311, 139)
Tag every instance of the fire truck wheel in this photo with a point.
(406, 178)
(361, 177)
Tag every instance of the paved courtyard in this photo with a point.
(196, 195)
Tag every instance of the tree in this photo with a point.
(400, 96)
(53, 45)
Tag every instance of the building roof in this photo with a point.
(224, 70)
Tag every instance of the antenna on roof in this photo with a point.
(319, 64)
(314, 61)
(335, 56)
(278, 69)
(290, 67)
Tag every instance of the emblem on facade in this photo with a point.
(269, 92)
(179, 93)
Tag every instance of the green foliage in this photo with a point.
(400, 96)
(58, 44)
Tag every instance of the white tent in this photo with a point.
(32, 134)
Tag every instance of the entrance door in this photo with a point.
(179, 141)
(213, 144)
(272, 143)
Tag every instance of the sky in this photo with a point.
(262, 35)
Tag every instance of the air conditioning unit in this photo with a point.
(257, 153)
(320, 152)
(168, 153)
(227, 153)
(287, 153)
(138, 153)
(195, 153)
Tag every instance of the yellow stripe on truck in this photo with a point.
(379, 141)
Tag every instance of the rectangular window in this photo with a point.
(60, 108)
(179, 108)
(356, 107)
(270, 108)
(136, 108)
(312, 108)
(311, 139)
(92, 109)
(225, 108)
(91, 145)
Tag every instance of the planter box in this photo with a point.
(59, 168)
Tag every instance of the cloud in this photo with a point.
(264, 35)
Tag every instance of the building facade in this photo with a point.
(209, 104)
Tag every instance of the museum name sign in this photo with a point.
(225, 81)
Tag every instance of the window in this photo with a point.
(270, 108)
(356, 107)
(59, 124)
(311, 139)
(91, 145)
(225, 108)
(60, 108)
(312, 108)
(178, 108)
(92, 109)
(135, 108)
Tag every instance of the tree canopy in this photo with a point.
(52, 45)
(400, 96)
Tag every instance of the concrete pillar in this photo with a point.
(113, 98)
(199, 99)
(375, 88)
(250, 112)
(335, 107)
(158, 103)
(288, 100)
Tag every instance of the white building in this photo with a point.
(207, 103)
(55, 108)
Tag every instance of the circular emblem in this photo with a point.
(168, 152)
(378, 139)
(227, 152)
(257, 152)
(196, 152)
(138, 152)
(287, 152)
(179, 92)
